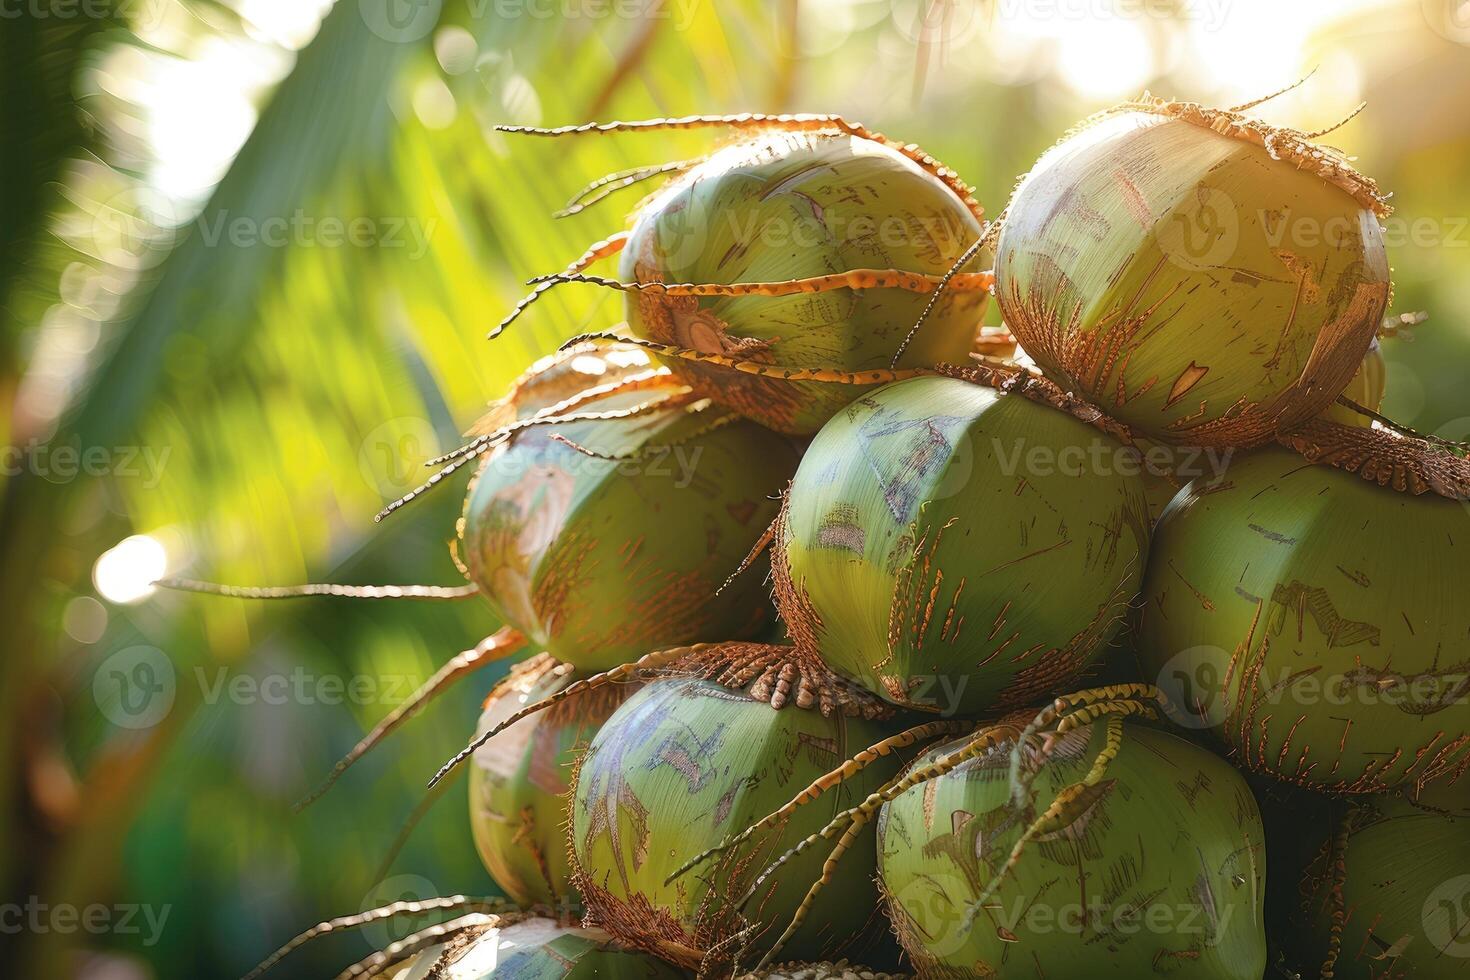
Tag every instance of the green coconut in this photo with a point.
(955, 549)
(520, 780)
(802, 205)
(1133, 854)
(683, 765)
(536, 949)
(1198, 275)
(1389, 896)
(604, 538)
(1315, 622)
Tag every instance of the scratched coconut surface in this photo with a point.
(1402, 911)
(939, 548)
(1272, 610)
(1169, 830)
(602, 560)
(793, 206)
(1188, 283)
(686, 763)
(521, 778)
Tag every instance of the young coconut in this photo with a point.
(1278, 614)
(1127, 851)
(608, 508)
(608, 536)
(520, 781)
(802, 251)
(535, 949)
(1201, 276)
(940, 546)
(1389, 895)
(680, 766)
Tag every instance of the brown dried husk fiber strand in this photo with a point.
(1283, 143)
(1401, 462)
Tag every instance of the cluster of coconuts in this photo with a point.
(1031, 658)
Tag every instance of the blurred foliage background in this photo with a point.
(251, 249)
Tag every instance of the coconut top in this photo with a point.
(1281, 142)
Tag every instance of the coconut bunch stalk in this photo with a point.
(956, 548)
(520, 781)
(1314, 621)
(1199, 275)
(1388, 895)
(796, 255)
(455, 914)
(608, 505)
(681, 766)
(534, 949)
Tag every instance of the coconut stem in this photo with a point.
(984, 740)
(459, 903)
(826, 374)
(623, 672)
(609, 184)
(505, 642)
(485, 443)
(1058, 816)
(829, 781)
(914, 282)
(719, 422)
(1075, 710)
(1338, 912)
(798, 122)
(380, 961)
(949, 280)
(611, 245)
(439, 592)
